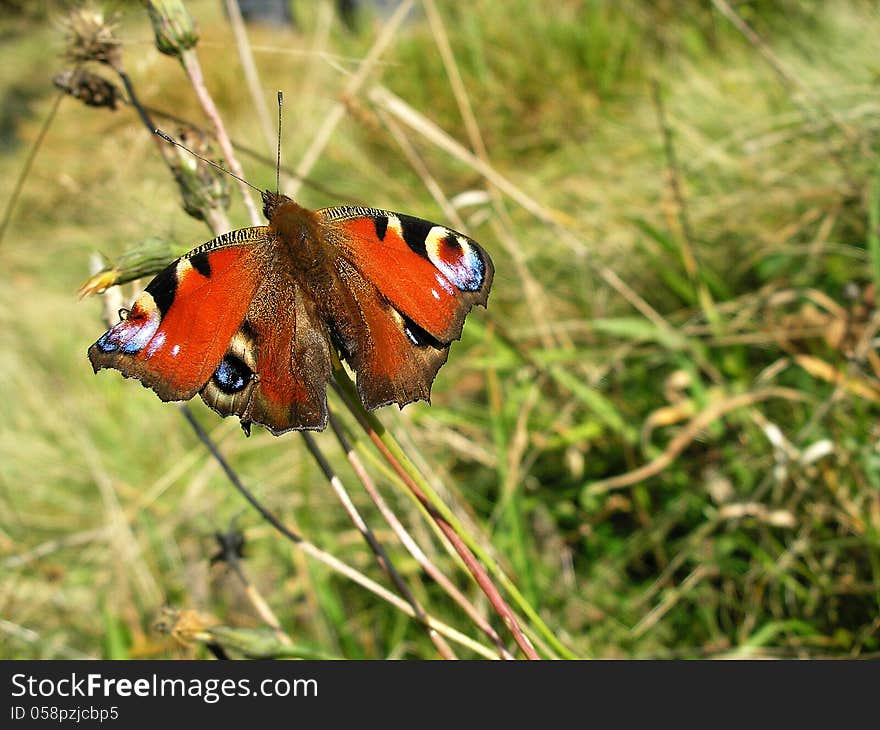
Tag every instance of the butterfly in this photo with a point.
(248, 319)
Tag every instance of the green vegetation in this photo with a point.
(665, 425)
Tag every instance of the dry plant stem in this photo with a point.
(326, 558)
(258, 156)
(215, 217)
(476, 569)
(417, 164)
(191, 65)
(337, 112)
(381, 555)
(384, 99)
(455, 80)
(653, 316)
(788, 78)
(28, 163)
(135, 102)
(503, 225)
(258, 602)
(553, 647)
(411, 545)
(251, 76)
(688, 434)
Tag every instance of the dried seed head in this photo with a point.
(184, 626)
(90, 37)
(202, 186)
(88, 87)
(173, 26)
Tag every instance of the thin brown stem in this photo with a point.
(28, 164)
(323, 557)
(261, 606)
(193, 69)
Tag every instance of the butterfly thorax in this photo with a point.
(296, 231)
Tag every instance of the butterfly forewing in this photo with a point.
(408, 286)
(429, 273)
(175, 334)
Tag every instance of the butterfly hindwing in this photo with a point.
(276, 369)
(176, 333)
(395, 360)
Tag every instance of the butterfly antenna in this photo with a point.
(278, 153)
(168, 138)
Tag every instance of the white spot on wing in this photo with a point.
(155, 344)
(183, 267)
(175, 350)
(394, 225)
(444, 283)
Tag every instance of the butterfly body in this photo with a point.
(248, 319)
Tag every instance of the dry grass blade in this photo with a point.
(688, 434)
(251, 76)
(476, 569)
(789, 78)
(385, 99)
(337, 112)
(326, 558)
(380, 553)
(197, 80)
(411, 545)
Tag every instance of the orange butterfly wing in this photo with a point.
(276, 368)
(408, 285)
(429, 273)
(177, 331)
(247, 320)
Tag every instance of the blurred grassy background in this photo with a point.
(724, 347)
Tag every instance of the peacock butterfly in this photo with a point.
(247, 320)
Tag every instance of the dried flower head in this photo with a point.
(88, 87)
(90, 37)
(173, 26)
(184, 626)
(202, 186)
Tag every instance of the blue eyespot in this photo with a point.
(232, 375)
